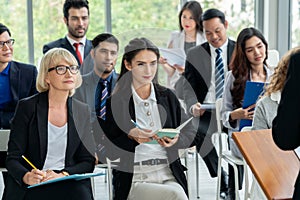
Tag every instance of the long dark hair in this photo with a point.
(130, 51)
(240, 64)
(196, 11)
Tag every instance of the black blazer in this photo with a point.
(64, 43)
(120, 109)
(22, 84)
(29, 137)
(198, 72)
(286, 125)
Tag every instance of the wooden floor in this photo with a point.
(207, 186)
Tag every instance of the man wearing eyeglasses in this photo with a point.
(17, 81)
(76, 18)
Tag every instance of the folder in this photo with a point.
(75, 177)
(252, 91)
(169, 132)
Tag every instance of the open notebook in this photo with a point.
(170, 132)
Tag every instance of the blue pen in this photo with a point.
(135, 124)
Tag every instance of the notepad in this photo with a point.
(170, 132)
(252, 91)
(75, 177)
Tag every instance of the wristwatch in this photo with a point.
(65, 173)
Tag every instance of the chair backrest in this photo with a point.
(219, 103)
(273, 58)
(4, 136)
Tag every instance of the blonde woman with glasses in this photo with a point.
(50, 129)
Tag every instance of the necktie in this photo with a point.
(76, 45)
(219, 74)
(100, 104)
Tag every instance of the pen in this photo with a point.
(135, 124)
(34, 167)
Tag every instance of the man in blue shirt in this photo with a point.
(17, 80)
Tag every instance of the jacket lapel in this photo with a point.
(42, 123)
(14, 80)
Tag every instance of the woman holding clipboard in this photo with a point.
(146, 170)
(248, 64)
(49, 133)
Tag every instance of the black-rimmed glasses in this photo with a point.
(9, 43)
(61, 69)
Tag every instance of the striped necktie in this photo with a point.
(219, 74)
(76, 45)
(100, 99)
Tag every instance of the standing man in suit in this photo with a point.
(76, 18)
(17, 81)
(199, 86)
(288, 117)
(105, 55)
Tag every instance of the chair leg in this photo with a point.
(197, 174)
(236, 181)
(246, 182)
(219, 177)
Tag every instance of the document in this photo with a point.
(75, 177)
(208, 106)
(252, 92)
(297, 152)
(173, 56)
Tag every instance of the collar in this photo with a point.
(6, 70)
(82, 41)
(276, 96)
(138, 99)
(223, 47)
(108, 79)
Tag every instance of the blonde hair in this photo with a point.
(53, 58)
(278, 78)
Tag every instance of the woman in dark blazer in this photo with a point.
(49, 129)
(146, 171)
(286, 125)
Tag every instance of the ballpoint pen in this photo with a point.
(135, 124)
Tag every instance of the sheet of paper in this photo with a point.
(173, 56)
(76, 177)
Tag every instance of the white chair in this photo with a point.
(4, 137)
(226, 155)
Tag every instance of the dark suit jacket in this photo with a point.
(198, 72)
(22, 84)
(120, 109)
(286, 125)
(29, 135)
(64, 43)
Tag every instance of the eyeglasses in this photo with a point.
(9, 43)
(61, 69)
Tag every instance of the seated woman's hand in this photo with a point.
(196, 110)
(166, 141)
(162, 61)
(33, 177)
(140, 135)
(243, 113)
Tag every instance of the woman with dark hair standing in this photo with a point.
(146, 170)
(190, 35)
(248, 64)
